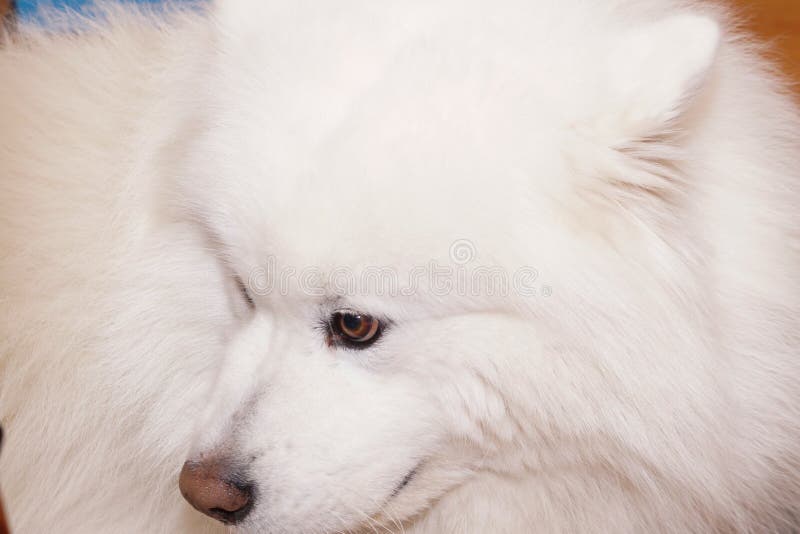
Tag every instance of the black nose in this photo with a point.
(212, 488)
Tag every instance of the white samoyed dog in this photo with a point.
(399, 266)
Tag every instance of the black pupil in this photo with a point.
(352, 322)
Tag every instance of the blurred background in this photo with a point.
(778, 21)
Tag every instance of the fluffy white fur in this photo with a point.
(639, 154)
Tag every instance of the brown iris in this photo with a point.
(354, 329)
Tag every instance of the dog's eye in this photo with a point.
(353, 329)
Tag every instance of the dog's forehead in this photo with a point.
(400, 178)
(383, 194)
(397, 149)
(308, 81)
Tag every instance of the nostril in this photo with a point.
(230, 517)
(212, 488)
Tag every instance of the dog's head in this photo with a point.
(445, 227)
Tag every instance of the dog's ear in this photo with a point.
(649, 81)
(653, 72)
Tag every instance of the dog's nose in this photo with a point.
(212, 488)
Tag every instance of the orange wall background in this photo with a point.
(778, 21)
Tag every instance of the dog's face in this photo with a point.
(427, 262)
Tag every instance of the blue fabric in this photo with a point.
(27, 8)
